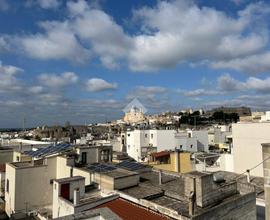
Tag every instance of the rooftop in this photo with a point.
(130, 211)
(69, 179)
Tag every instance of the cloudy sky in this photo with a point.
(83, 61)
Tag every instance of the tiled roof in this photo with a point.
(161, 154)
(129, 211)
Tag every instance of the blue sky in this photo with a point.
(83, 61)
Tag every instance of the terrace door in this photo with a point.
(65, 191)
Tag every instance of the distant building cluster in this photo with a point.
(191, 164)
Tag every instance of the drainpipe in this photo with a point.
(248, 176)
(76, 197)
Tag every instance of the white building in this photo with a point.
(219, 136)
(141, 142)
(265, 117)
(247, 149)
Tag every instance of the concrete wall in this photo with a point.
(240, 208)
(20, 157)
(92, 154)
(202, 139)
(266, 166)
(61, 206)
(121, 183)
(6, 156)
(247, 140)
(30, 187)
(227, 162)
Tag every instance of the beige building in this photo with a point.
(174, 161)
(134, 115)
(247, 149)
(29, 184)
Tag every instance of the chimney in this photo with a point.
(160, 177)
(177, 162)
(266, 169)
(191, 203)
(76, 197)
(248, 176)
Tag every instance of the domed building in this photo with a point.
(134, 115)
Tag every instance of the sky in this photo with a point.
(84, 61)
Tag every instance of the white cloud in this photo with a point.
(45, 4)
(171, 32)
(36, 89)
(58, 81)
(97, 85)
(77, 8)
(57, 43)
(254, 64)
(179, 31)
(200, 92)
(108, 39)
(8, 80)
(227, 83)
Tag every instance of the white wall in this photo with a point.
(29, 187)
(247, 149)
(202, 139)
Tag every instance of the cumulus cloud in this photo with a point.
(8, 79)
(58, 81)
(58, 42)
(171, 33)
(200, 92)
(228, 83)
(258, 63)
(45, 4)
(171, 37)
(97, 85)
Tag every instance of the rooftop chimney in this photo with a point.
(191, 203)
(177, 162)
(76, 197)
(248, 176)
(160, 177)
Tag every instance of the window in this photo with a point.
(17, 158)
(152, 136)
(145, 135)
(128, 135)
(191, 145)
(181, 146)
(84, 157)
(7, 187)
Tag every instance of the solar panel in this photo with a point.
(132, 166)
(101, 168)
(51, 149)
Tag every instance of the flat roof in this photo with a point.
(69, 179)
